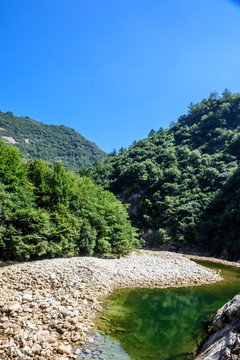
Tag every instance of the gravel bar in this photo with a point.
(46, 306)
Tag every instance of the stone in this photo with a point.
(87, 351)
(44, 305)
(226, 354)
(30, 325)
(231, 309)
(224, 343)
(51, 339)
(76, 337)
(218, 323)
(27, 309)
(27, 350)
(227, 312)
(6, 325)
(19, 354)
(64, 349)
(79, 327)
(90, 340)
(8, 344)
(14, 307)
(4, 318)
(22, 343)
(63, 295)
(27, 297)
(236, 349)
(231, 339)
(36, 349)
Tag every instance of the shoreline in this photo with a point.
(47, 306)
(212, 259)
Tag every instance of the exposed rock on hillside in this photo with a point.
(49, 142)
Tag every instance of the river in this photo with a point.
(159, 324)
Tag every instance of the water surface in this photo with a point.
(159, 324)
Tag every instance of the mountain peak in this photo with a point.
(49, 142)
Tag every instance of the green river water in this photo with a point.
(159, 324)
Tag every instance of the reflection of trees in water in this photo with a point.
(154, 319)
(160, 324)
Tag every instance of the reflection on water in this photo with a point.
(159, 324)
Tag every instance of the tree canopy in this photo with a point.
(46, 211)
(172, 177)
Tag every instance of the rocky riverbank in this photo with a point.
(212, 259)
(47, 306)
(224, 343)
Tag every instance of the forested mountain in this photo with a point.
(49, 142)
(220, 222)
(174, 179)
(45, 210)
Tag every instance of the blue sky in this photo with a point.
(114, 69)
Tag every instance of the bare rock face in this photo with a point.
(224, 343)
(227, 313)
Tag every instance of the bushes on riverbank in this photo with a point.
(47, 211)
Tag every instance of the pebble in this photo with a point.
(65, 349)
(47, 306)
(14, 307)
(4, 318)
(36, 349)
(27, 297)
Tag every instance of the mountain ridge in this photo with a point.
(49, 142)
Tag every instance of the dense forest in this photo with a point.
(182, 183)
(46, 211)
(49, 142)
(219, 224)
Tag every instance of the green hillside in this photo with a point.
(220, 222)
(49, 142)
(173, 176)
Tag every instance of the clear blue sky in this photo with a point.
(115, 69)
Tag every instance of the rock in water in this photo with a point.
(224, 343)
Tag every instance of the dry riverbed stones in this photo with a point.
(47, 307)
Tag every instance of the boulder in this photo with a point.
(224, 343)
(227, 313)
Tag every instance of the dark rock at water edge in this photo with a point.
(224, 343)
